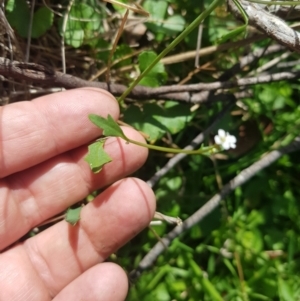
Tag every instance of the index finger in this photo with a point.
(32, 132)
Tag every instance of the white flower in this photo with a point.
(226, 140)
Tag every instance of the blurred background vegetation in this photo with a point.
(249, 247)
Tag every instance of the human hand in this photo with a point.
(42, 172)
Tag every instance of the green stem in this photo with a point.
(191, 27)
(173, 150)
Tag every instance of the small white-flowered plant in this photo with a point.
(225, 140)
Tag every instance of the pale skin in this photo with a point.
(43, 172)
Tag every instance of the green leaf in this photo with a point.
(173, 25)
(149, 81)
(159, 23)
(42, 21)
(285, 290)
(73, 216)
(154, 80)
(157, 75)
(251, 240)
(109, 126)
(97, 157)
(120, 52)
(170, 26)
(10, 6)
(156, 8)
(18, 15)
(81, 23)
(74, 37)
(156, 120)
(146, 58)
(118, 7)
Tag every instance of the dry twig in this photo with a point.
(193, 93)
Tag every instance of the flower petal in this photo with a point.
(221, 133)
(218, 140)
(226, 145)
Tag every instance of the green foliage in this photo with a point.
(42, 21)
(18, 15)
(157, 75)
(121, 51)
(109, 126)
(81, 23)
(161, 24)
(73, 215)
(156, 121)
(97, 157)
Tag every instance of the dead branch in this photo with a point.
(272, 26)
(31, 72)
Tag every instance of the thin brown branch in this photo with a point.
(189, 55)
(114, 46)
(193, 93)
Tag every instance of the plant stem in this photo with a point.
(173, 150)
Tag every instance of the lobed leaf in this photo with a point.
(42, 21)
(109, 126)
(97, 157)
(73, 215)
